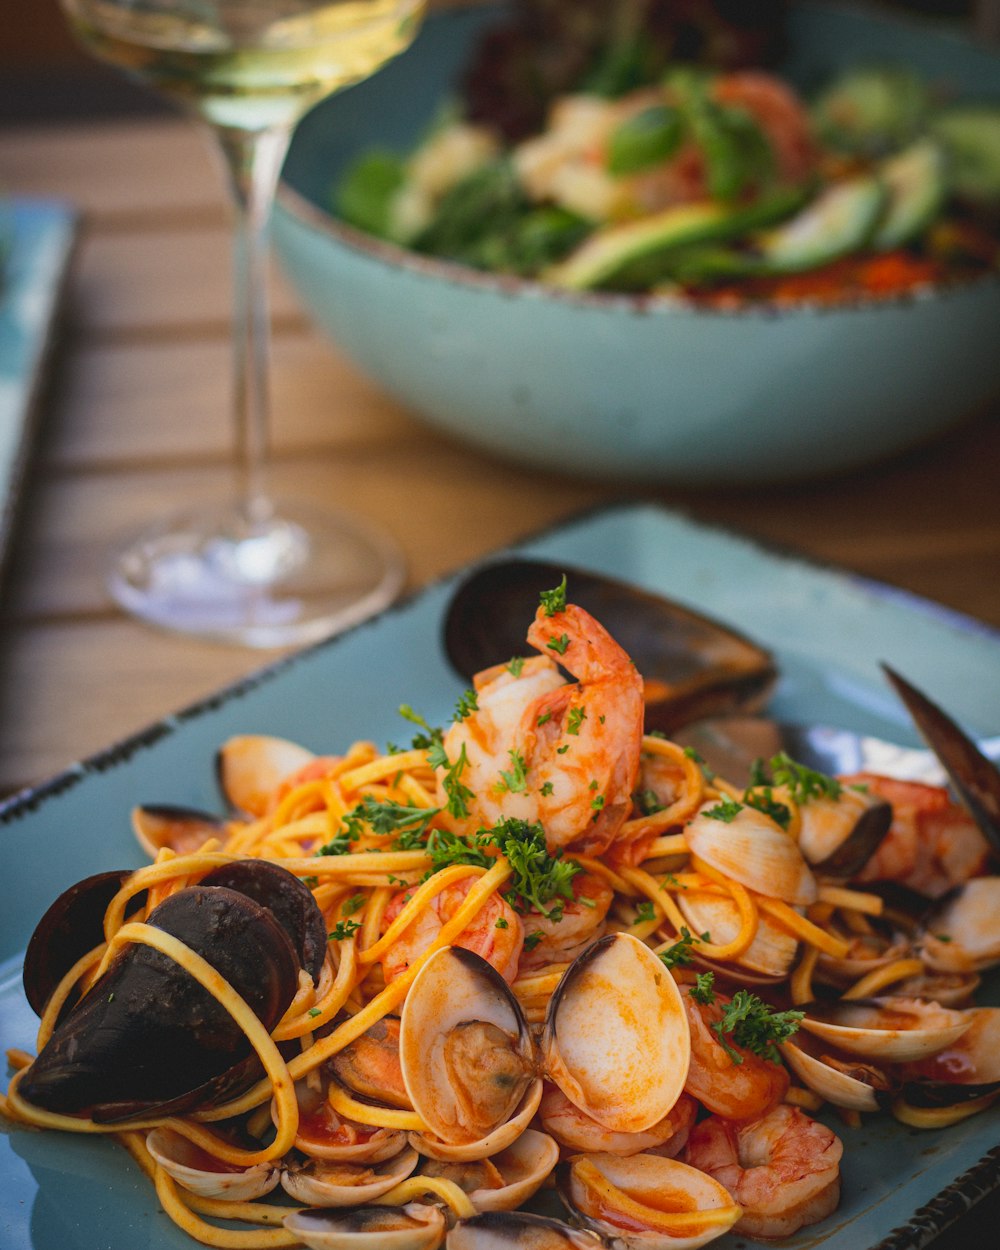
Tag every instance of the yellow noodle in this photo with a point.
(850, 900)
(384, 766)
(879, 978)
(798, 925)
(679, 1222)
(365, 1113)
(224, 1238)
(940, 1117)
(746, 905)
(801, 979)
(63, 991)
(417, 1186)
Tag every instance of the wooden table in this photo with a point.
(134, 419)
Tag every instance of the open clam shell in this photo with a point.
(773, 949)
(200, 1173)
(839, 835)
(751, 849)
(329, 1183)
(467, 1057)
(250, 767)
(508, 1178)
(962, 933)
(519, 1230)
(415, 1226)
(183, 830)
(616, 1038)
(647, 1202)
(963, 1070)
(886, 1030)
(848, 1083)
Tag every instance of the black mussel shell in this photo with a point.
(519, 1230)
(283, 894)
(860, 844)
(976, 779)
(693, 666)
(147, 1038)
(72, 926)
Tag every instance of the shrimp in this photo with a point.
(576, 1131)
(932, 844)
(779, 113)
(495, 933)
(737, 1090)
(783, 1169)
(565, 932)
(543, 750)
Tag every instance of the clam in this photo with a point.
(890, 1029)
(962, 932)
(647, 1202)
(865, 953)
(773, 949)
(467, 1058)
(838, 835)
(506, 1179)
(323, 1134)
(578, 1132)
(147, 1037)
(747, 846)
(616, 1039)
(180, 829)
(331, 1183)
(200, 1173)
(693, 666)
(370, 1065)
(250, 767)
(519, 1230)
(843, 1080)
(415, 1226)
(961, 1071)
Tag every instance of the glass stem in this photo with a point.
(253, 163)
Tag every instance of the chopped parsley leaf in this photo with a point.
(554, 600)
(531, 940)
(577, 715)
(468, 703)
(680, 953)
(645, 911)
(343, 930)
(559, 645)
(726, 811)
(703, 990)
(750, 1023)
(514, 781)
(515, 666)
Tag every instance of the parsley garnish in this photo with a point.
(429, 737)
(516, 780)
(501, 924)
(801, 782)
(763, 800)
(468, 703)
(538, 877)
(559, 645)
(543, 719)
(515, 666)
(385, 816)
(726, 811)
(314, 1012)
(340, 844)
(751, 1023)
(703, 990)
(647, 802)
(699, 759)
(531, 940)
(554, 601)
(353, 904)
(547, 788)
(680, 953)
(577, 715)
(342, 930)
(446, 848)
(645, 911)
(458, 793)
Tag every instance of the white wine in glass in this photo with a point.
(251, 569)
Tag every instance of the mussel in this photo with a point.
(692, 665)
(147, 1038)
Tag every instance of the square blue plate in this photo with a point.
(829, 630)
(36, 241)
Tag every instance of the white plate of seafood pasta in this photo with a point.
(242, 791)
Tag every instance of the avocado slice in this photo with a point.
(634, 254)
(970, 134)
(917, 187)
(840, 220)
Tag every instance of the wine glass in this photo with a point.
(252, 570)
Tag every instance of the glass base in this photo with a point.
(290, 575)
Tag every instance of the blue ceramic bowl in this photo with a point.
(630, 387)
